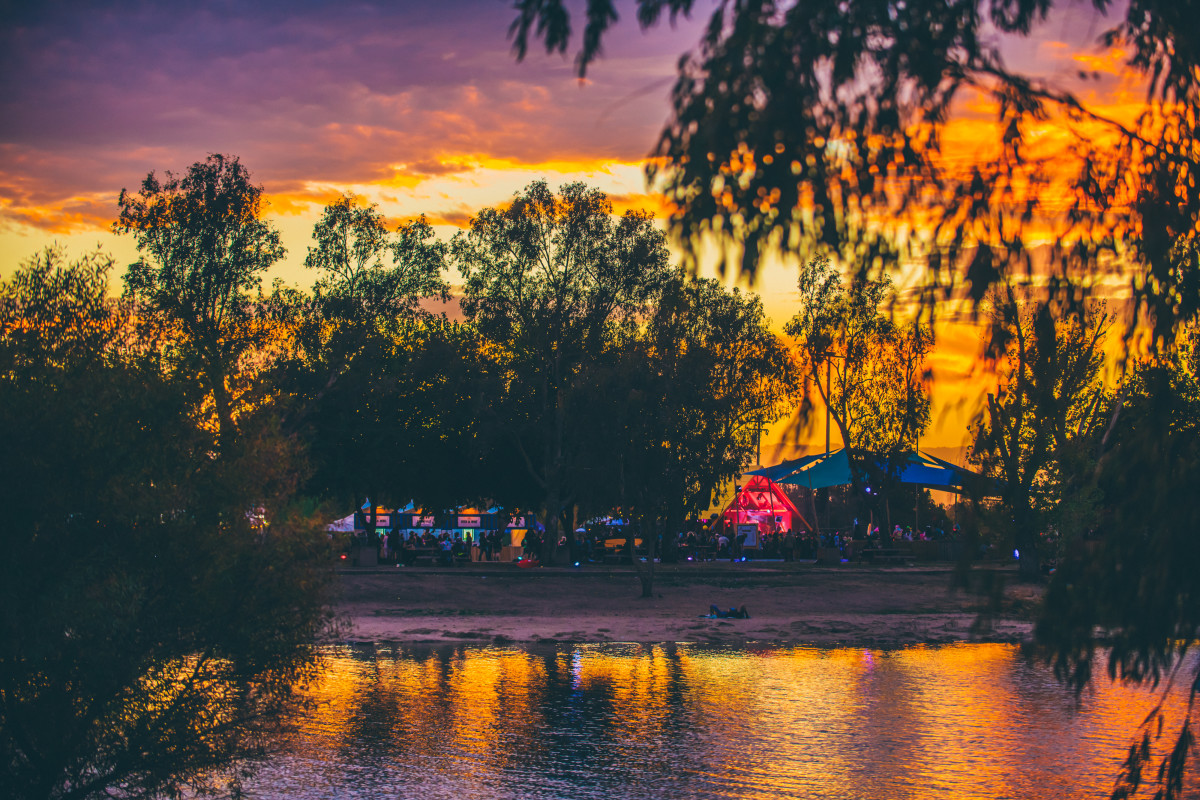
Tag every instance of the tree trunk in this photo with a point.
(554, 461)
(223, 404)
(554, 501)
(646, 573)
(550, 534)
(1026, 541)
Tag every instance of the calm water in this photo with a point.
(633, 721)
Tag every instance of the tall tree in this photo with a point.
(352, 241)
(152, 630)
(875, 383)
(358, 350)
(203, 248)
(549, 281)
(692, 389)
(1049, 404)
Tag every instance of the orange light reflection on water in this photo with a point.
(958, 721)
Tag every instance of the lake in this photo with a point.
(685, 721)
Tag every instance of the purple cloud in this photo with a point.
(97, 96)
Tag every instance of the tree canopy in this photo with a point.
(551, 282)
(1123, 602)
(204, 247)
(160, 603)
(356, 365)
(1039, 431)
(820, 125)
(676, 412)
(876, 383)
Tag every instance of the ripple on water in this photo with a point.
(681, 721)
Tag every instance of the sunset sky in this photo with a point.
(417, 106)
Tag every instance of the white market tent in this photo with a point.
(343, 525)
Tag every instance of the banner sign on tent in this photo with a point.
(381, 520)
(468, 522)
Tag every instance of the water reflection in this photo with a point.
(634, 721)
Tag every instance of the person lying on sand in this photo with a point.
(733, 613)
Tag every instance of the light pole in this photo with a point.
(829, 356)
(828, 399)
(758, 432)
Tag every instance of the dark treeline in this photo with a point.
(588, 373)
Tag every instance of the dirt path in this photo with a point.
(799, 604)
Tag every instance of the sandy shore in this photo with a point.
(788, 604)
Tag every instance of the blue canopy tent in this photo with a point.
(920, 470)
(833, 469)
(785, 468)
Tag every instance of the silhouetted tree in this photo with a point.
(875, 383)
(158, 604)
(678, 412)
(203, 247)
(550, 281)
(1048, 407)
(1126, 600)
(820, 125)
(357, 362)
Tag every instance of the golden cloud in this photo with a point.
(656, 204)
(71, 215)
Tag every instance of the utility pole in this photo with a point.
(828, 400)
(758, 431)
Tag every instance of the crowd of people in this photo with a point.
(704, 540)
(446, 547)
(707, 542)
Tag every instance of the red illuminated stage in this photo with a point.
(760, 502)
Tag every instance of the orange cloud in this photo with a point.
(301, 201)
(657, 204)
(1113, 61)
(71, 215)
(456, 218)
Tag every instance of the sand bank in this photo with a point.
(788, 604)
